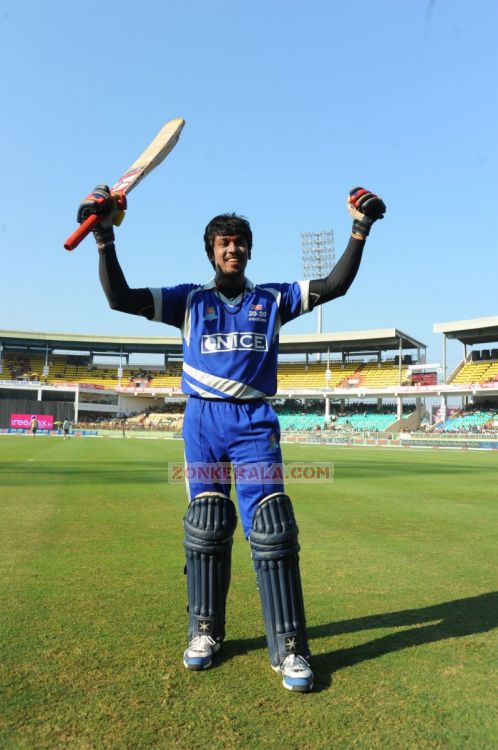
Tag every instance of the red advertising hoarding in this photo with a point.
(23, 421)
(424, 378)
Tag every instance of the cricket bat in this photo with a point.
(163, 143)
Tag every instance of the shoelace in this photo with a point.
(201, 642)
(297, 662)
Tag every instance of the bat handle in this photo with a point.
(79, 234)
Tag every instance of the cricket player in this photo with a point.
(33, 428)
(230, 331)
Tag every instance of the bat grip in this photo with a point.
(79, 234)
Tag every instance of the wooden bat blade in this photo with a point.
(154, 154)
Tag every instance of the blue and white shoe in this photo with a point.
(200, 651)
(296, 673)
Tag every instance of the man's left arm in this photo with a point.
(365, 208)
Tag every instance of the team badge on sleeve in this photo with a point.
(210, 314)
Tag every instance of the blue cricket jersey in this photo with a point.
(230, 347)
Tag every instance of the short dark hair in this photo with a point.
(226, 225)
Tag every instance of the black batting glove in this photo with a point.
(110, 207)
(98, 202)
(365, 208)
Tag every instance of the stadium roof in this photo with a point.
(379, 339)
(84, 342)
(472, 331)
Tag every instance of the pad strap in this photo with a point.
(209, 525)
(275, 548)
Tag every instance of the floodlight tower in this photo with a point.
(318, 252)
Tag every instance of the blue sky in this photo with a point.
(288, 105)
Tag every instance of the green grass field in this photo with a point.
(399, 567)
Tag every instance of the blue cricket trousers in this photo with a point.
(243, 434)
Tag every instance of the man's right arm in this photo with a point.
(164, 305)
(118, 293)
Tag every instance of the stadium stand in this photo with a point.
(365, 422)
(349, 421)
(79, 370)
(304, 421)
(476, 372)
(21, 367)
(352, 374)
(381, 375)
(357, 417)
(474, 420)
(293, 416)
(312, 375)
(171, 421)
(170, 378)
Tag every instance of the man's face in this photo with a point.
(230, 255)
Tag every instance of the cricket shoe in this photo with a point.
(200, 651)
(296, 673)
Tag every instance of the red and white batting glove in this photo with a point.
(365, 208)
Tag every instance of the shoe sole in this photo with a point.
(298, 688)
(200, 667)
(293, 688)
(196, 667)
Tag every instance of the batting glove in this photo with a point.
(365, 208)
(110, 207)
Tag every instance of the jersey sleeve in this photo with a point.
(294, 300)
(170, 303)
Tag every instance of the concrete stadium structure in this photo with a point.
(332, 355)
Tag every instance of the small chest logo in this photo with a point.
(256, 312)
(210, 314)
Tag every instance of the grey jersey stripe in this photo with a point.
(231, 388)
(157, 296)
(305, 296)
(185, 329)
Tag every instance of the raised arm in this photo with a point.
(112, 278)
(337, 283)
(118, 293)
(365, 208)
